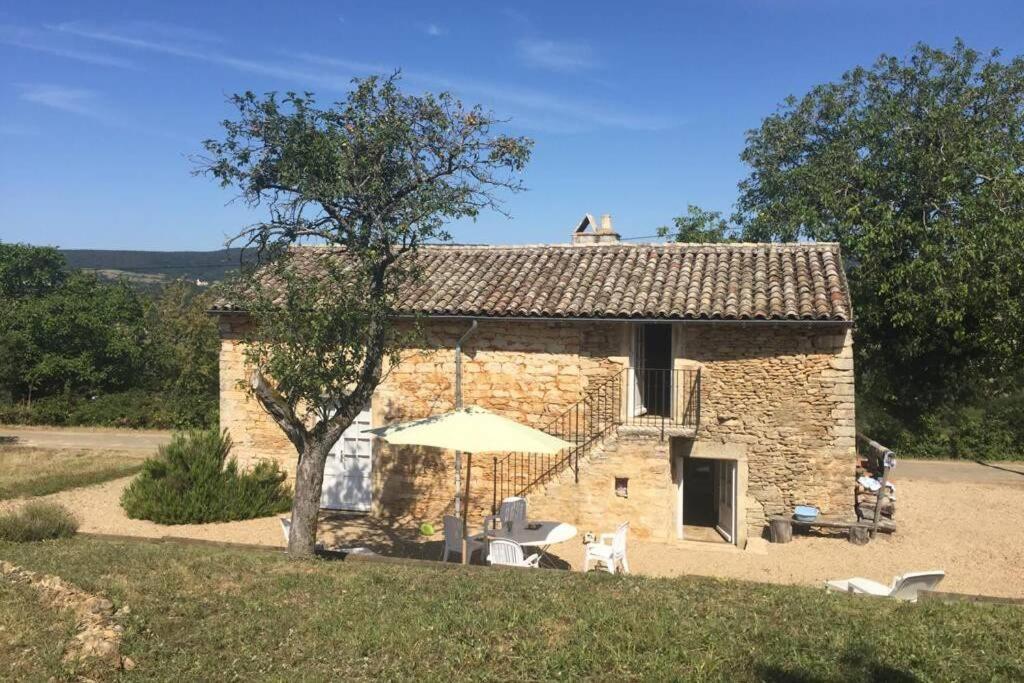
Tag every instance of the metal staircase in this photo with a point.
(650, 399)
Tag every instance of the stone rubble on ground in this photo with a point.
(98, 637)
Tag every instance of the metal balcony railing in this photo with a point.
(662, 398)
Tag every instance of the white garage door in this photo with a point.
(348, 480)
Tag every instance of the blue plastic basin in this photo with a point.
(805, 513)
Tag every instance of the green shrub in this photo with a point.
(37, 521)
(194, 481)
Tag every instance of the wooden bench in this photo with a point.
(781, 528)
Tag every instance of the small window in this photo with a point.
(622, 487)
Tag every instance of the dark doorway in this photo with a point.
(658, 346)
(708, 500)
(698, 492)
(653, 363)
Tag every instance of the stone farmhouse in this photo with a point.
(706, 386)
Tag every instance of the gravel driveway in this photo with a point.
(966, 471)
(973, 532)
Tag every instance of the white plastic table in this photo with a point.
(546, 535)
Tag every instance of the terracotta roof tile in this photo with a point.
(671, 281)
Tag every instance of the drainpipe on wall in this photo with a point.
(458, 406)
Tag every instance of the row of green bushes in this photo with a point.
(984, 429)
(76, 349)
(135, 408)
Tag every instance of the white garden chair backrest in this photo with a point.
(506, 551)
(513, 509)
(453, 532)
(907, 586)
(619, 540)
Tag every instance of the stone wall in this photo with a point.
(779, 398)
(783, 395)
(529, 372)
(255, 436)
(650, 505)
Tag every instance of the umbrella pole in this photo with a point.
(458, 483)
(465, 509)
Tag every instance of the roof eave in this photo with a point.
(627, 319)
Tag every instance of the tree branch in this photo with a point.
(278, 409)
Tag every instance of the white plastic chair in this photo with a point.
(512, 509)
(286, 528)
(504, 551)
(609, 551)
(904, 587)
(453, 539)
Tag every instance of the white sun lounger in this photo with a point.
(904, 587)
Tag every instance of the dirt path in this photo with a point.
(87, 438)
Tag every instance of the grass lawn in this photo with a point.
(31, 638)
(40, 471)
(204, 613)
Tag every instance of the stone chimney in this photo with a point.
(589, 232)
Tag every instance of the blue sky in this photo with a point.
(637, 110)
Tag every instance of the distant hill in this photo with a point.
(152, 268)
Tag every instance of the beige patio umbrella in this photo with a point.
(473, 430)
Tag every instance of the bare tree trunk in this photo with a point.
(309, 478)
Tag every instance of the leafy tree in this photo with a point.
(374, 177)
(25, 271)
(29, 271)
(185, 346)
(83, 335)
(100, 352)
(64, 330)
(699, 225)
(916, 167)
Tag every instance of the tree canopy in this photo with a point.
(373, 177)
(916, 167)
(699, 226)
(29, 271)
